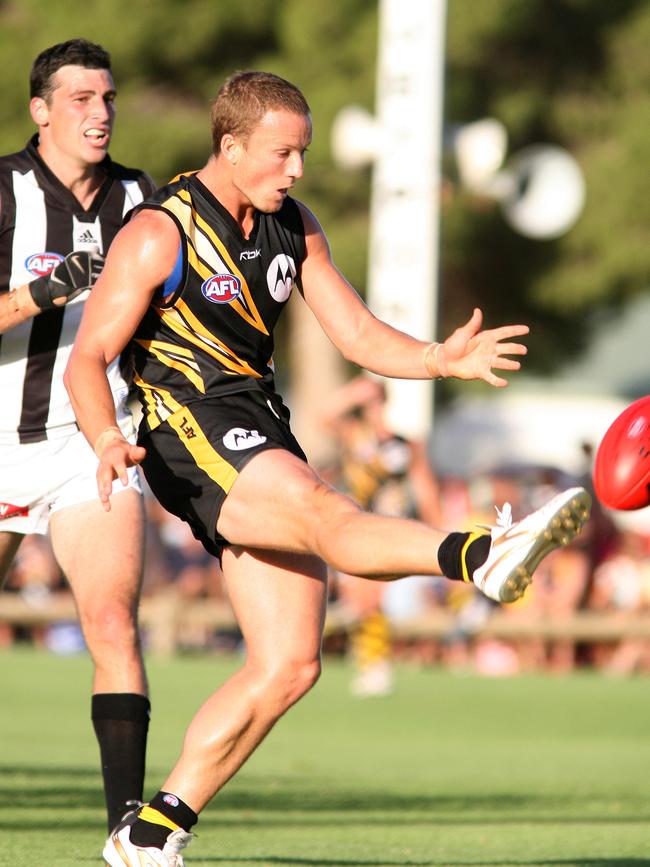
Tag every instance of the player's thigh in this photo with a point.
(9, 544)
(30, 474)
(101, 553)
(279, 600)
(278, 501)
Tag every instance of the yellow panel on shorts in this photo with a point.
(198, 445)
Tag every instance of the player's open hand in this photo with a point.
(470, 353)
(116, 455)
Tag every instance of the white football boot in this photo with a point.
(517, 549)
(119, 851)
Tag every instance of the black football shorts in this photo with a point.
(194, 457)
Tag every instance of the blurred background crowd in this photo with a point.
(419, 620)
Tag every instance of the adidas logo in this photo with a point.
(86, 237)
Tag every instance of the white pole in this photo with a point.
(404, 233)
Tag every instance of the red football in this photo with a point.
(622, 465)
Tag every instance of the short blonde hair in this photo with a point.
(245, 98)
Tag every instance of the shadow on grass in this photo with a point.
(323, 862)
(282, 802)
(291, 861)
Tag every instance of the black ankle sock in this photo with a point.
(146, 833)
(175, 809)
(450, 554)
(121, 723)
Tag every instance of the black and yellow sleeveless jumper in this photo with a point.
(209, 329)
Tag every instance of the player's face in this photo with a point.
(271, 159)
(77, 122)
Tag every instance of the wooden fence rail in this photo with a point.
(166, 617)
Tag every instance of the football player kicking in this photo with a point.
(195, 283)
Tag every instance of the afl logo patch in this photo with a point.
(40, 264)
(280, 276)
(221, 288)
(172, 800)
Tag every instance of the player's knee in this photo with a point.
(307, 676)
(109, 625)
(290, 681)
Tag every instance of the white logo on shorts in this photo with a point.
(238, 438)
(280, 276)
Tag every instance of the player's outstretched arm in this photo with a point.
(141, 257)
(470, 353)
(367, 341)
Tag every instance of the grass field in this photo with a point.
(450, 770)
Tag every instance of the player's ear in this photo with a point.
(231, 148)
(39, 110)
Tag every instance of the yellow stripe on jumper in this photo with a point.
(207, 255)
(249, 310)
(160, 403)
(181, 320)
(165, 353)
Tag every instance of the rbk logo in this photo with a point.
(249, 254)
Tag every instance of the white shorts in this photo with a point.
(37, 479)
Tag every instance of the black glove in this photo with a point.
(78, 271)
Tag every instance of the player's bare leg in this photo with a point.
(9, 544)
(279, 601)
(101, 555)
(278, 502)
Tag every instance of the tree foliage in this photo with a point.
(575, 73)
(570, 72)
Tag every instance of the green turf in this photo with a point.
(450, 770)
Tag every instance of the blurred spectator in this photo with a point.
(561, 583)
(184, 569)
(384, 473)
(607, 569)
(37, 578)
(621, 586)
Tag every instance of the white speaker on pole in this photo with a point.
(355, 138)
(479, 148)
(542, 191)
